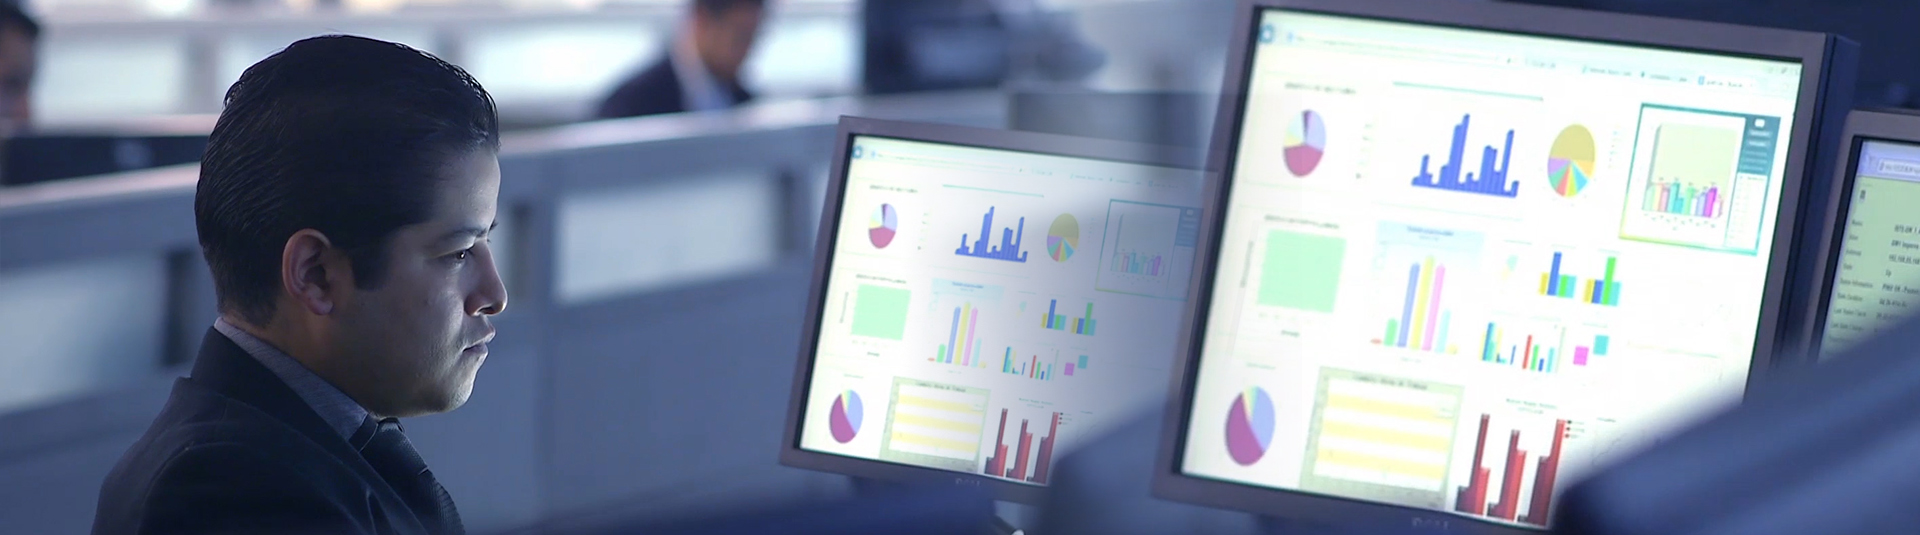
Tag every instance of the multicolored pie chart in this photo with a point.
(1250, 426)
(1306, 143)
(1063, 237)
(883, 225)
(844, 420)
(1570, 161)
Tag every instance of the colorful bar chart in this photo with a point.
(1029, 367)
(1531, 354)
(1423, 324)
(963, 346)
(1082, 366)
(1604, 291)
(1671, 197)
(1060, 322)
(1492, 178)
(1138, 263)
(1009, 248)
(1472, 498)
(1597, 349)
(1038, 455)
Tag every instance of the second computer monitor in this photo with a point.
(1874, 277)
(1468, 253)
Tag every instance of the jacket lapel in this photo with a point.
(228, 370)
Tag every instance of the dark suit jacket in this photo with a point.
(237, 451)
(654, 91)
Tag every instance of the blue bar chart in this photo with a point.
(1490, 180)
(1009, 248)
(1060, 322)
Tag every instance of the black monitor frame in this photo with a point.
(1889, 125)
(791, 454)
(1828, 65)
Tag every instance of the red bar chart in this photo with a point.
(1472, 497)
(1032, 459)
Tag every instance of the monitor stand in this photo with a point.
(863, 486)
(1274, 525)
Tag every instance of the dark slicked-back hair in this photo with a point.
(345, 135)
(15, 18)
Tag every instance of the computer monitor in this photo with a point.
(1873, 277)
(43, 157)
(985, 300)
(1464, 253)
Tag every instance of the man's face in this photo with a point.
(725, 38)
(18, 62)
(414, 344)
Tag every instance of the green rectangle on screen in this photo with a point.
(881, 312)
(1301, 271)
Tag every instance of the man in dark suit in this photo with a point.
(343, 207)
(701, 68)
(19, 61)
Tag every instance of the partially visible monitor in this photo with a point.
(1466, 253)
(986, 300)
(40, 158)
(1874, 276)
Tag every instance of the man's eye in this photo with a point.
(463, 254)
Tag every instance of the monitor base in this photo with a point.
(863, 486)
(1273, 525)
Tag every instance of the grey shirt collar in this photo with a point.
(341, 413)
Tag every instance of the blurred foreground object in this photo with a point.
(1829, 450)
(942, 510)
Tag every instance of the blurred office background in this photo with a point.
(657, 265)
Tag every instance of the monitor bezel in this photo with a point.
(850, 128)
(1811, 50)
(1865, 125)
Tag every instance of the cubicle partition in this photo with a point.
(656, 268)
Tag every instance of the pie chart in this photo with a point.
(1250, 426)
(1570, 161)
(844, 421)
(882, 225)
(1306, 142)
(1063, 237)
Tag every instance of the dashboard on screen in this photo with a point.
(1458, 268)
(1876, 279)
(987, 310)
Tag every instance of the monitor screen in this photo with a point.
(1876, 280)
(1460, 268)
(984, 310)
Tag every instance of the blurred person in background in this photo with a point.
(19, 60)
(343, 208)
(701, 69)
(938, 45)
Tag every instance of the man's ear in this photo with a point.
(313, 272)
